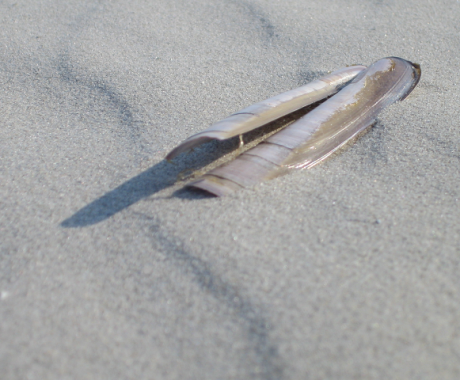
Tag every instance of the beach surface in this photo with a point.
(110, 270)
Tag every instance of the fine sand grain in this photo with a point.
(108, 270)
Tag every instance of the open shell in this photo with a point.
(271, 109)
(315, 136)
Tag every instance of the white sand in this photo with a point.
(347, 271)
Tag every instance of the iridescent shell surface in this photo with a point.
(318, 134)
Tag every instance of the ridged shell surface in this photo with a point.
(319, 133)
(271, 109)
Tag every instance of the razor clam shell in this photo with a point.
(271, 109)
(318, 134)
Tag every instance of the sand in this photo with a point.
(108, 270)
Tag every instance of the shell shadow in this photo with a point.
(147, 183)
(165, 174)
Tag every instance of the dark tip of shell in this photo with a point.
(417, 74)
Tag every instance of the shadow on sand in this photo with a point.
(165, 174)
(151, 181)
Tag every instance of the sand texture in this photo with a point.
(109, 270)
